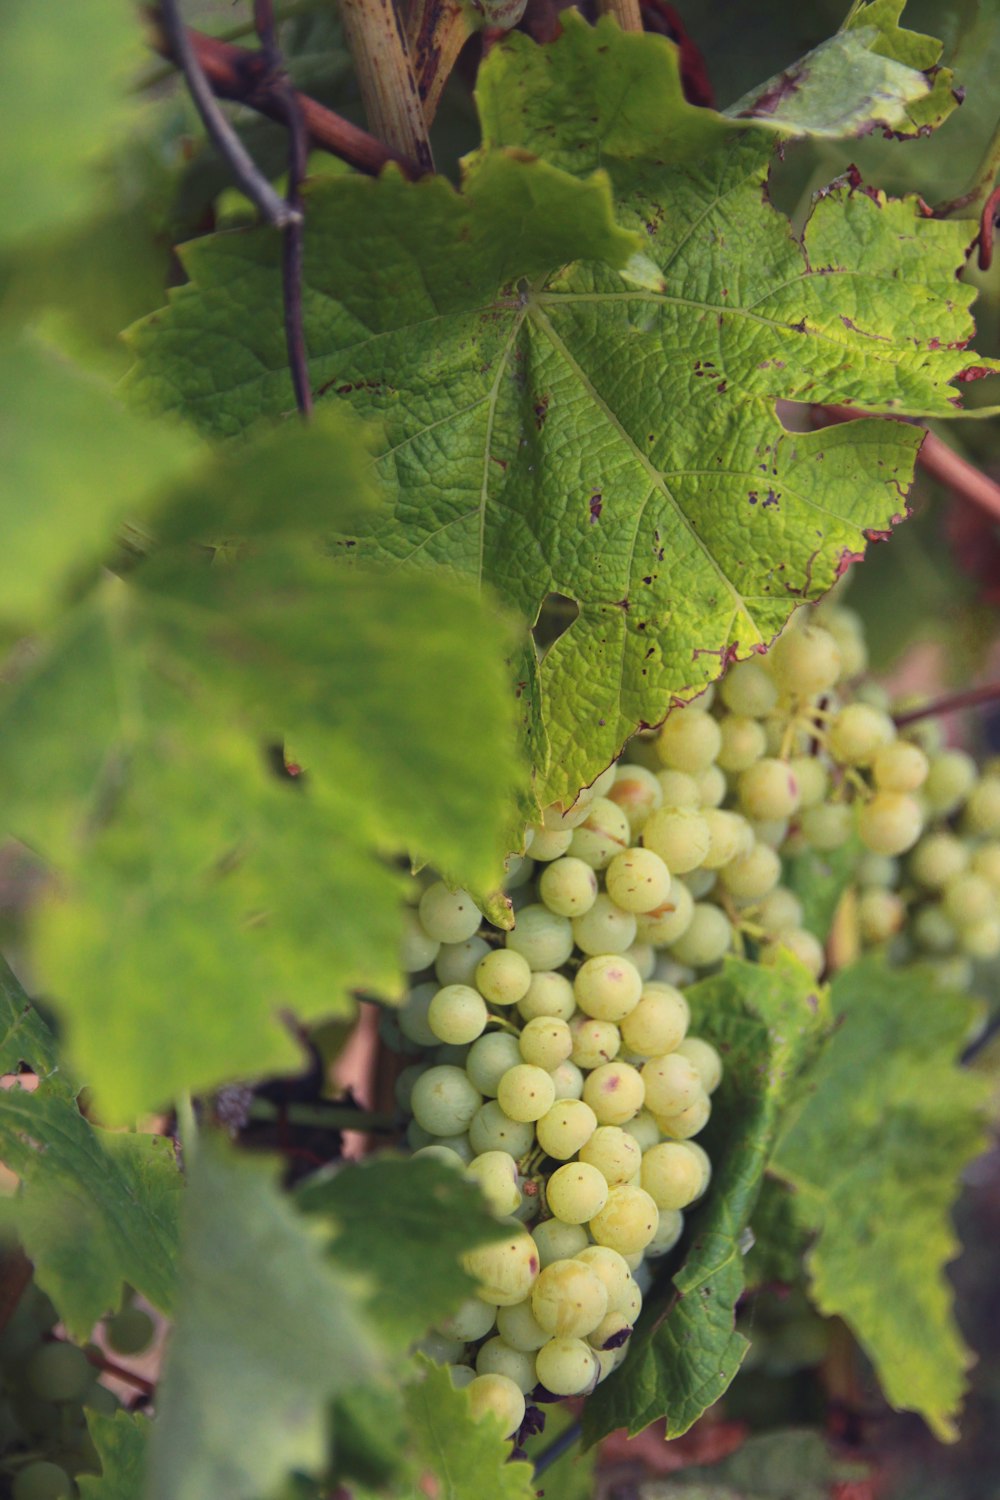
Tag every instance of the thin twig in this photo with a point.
(558, 1447)
(100, 1361)
(982, 182)
(952, 703)
(252, 181)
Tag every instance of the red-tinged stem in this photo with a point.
(109, 1367)
(952, 703)
(17, 1272)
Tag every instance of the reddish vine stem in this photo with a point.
(110, 1367)
(987, 226)
(17, 1273)
(952, 703)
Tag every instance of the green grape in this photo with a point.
(416, 950)
(526, 1092)
(546, 1042)
(679, 835)
(729, 836)
(748, 690)
(706, 1059)
(752, 876)
(519, 870)
(607, 987)
(441, 1349)
(603, 833)
(41, 1480)
(565, 1128)
(499, 1399)
(541, 937)
(493, 1130)
(444, 1154)
(891, 822)
(986, 862)
(503, 976)
(643, 957)
(638, 880)
(643, 1129)
(982, 810)
(550, 843)
(828, 826)
(59, 1372)
(413, 1016)
(933, 931)
(456, 962)
(702, 1158)
(457, 1014)
(567, 1079)
(670, 1083)
(664, 926)
(951, 777)
(780, 910)
(969, 899)
(612, 1269)
(679, 791)
(857, 733)
(567, 1367)
(805, 660)
(505, 1269)
(981, 940)
(615, 1154)
(548, 994)
(576, 1192)
(568, 886)
(519, 1327)
(448, 916)
(938, 859)
(881, 914)
(497, 1357)
(806, 948)
(471, 1321)
(461, 1376)
(743, 743)
(708, 937)
(444, 1101)
(686, 1122)
(627, 1222)
(876, 869)
(594, 1042)
(769, 789)
(671, 1175)
(605, 928)
(669, 1229)
(489, 1059)
(900, 767)
(689, 740)
(496, 1174)
(811, 778)
(637, 792)
(568, 1299)
(610, 1329)
(615, 1092)
(556, 1240)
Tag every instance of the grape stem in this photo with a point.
(950, 704)
(110, 1367)
(16, 1279)
(558, 1447)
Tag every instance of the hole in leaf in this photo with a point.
(556, 615)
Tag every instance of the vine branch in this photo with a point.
(625, 12)
(951, 703)
(386, 78)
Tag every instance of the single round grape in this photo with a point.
(457, 1014)
(519, 870)
(688, 1121)
(557, 1240)
(643, 957)
(550, 843)
(969, 899)
(828, 826)
(689, 740)
(605, 928)
(496, 1174)
(611, 1332)
(526, 1092)
(565, 1128)
(811, 777)
(416, 950)
(933, 931)
(709, 935)
(472, 1320)
(670, 1083)
(769, 789)
(780, 910)
(743, 743)
(413, 1016)
(444, 1100)
(858, 732)
(706, 1059)
(546, 1042)
(403, 1087)
(130, 1331)
(614, 1153)
(461, 1376)
(41, 1480)
(493, 1130)
(986, 862)
(505, 1269)
(729, 836)
(607, 987)
(568, 886)
(981, 940)
(519, 1327)
(441, 1349)
(669, 922)
(59, 1372)
(497, 1357)
(627, 1222)
(747, 689)
(753, 875)
(881, 914)
(679, 835)
(638, 880)
(448, 916)
(900, 767)
(615, 1092)
(612, 1269)
(658, 1023)
(951, 777)
(805, 660)
(568, 1299)
(603, 833)
(668, 1231)
(576, 1192)
(679, 791)
(503, 976)
(456, 962)
(938, 859)
(636, 791)
(594, 1042)
(797, 940)
(701, 1156)
(567, 1367)
(671, 1176)
(982, 810)
(877, 869)
(498, 1399)
(489, 1059)
(643, 1129)
(548, 994)
(567, 1079)
(541, 937)
(891, 822)
(603, 783)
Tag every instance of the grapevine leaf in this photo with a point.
(466, 1459)
(779, 1241)
(98, 1208)
(73, 464)
(685, 1350)
(875, 1156)
(405, 1224)
(24, 1036)
(266, 1333)
(121, 1443)
(609, 437)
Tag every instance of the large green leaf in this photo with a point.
(24, 1036)
(875, 1157)
(405, 1224)
(98, 1209)
(266, 1333)
(553, 428)
(685, 1350)
(468, 1460)
(121, 1442)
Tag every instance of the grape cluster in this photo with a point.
(48, 1385)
